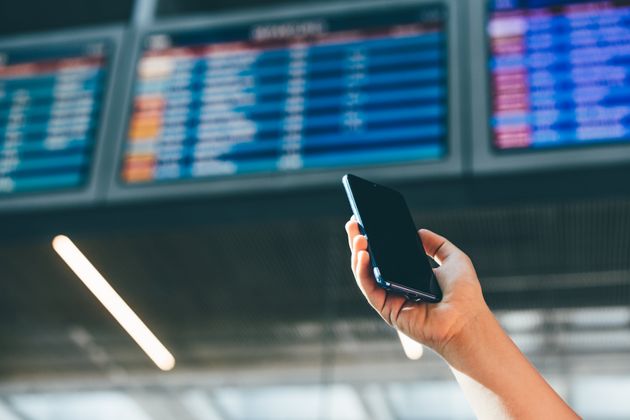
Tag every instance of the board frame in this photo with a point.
(485, 158)
(451, 165)
(93, 190)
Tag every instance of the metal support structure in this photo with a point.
(375, 404)
(143, 12)
(8, 411)
(158, 407)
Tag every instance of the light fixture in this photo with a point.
(413, 349)
(112, 301)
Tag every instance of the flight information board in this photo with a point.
(559, 73)
(352, 89)
(50, 102)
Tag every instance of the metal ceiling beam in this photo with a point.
(8, 411)
(203, 405)
(374, 402)
(161, 404)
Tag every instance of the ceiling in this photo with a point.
(215, 284)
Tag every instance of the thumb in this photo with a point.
(437, 247)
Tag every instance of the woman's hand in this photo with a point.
(496, 377)
(432, 324)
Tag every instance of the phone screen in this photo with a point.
(394, 245)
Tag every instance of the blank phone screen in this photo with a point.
(394, 244)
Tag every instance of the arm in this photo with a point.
(496, 377)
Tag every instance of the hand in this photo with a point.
(496, 377)
(432, 324)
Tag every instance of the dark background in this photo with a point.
(215, 277)
(280, 257)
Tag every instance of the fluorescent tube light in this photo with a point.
(112, 301)
(413, 349)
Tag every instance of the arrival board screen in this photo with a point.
(359, 88)
(559, 73)
(50, 100)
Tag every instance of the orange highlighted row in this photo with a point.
(144, 134)
(143, 127)
(147, 123)
(139, 168)
(149, 103)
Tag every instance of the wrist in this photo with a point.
(482, 350)
(474, 333)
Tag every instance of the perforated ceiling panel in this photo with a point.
(215, 291)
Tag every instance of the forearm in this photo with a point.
(496, 377)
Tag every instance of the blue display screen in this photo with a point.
(354, 89)
(559, 73)
(50, 102)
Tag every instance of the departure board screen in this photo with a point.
(352, 89)
(50, 101)
(559, 73)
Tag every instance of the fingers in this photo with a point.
(388, 306)
(352, 229)
(438, 247)
(356, 241)
(365, 280)
(359, 243)
(361, 266)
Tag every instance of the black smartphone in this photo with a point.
(396, 252)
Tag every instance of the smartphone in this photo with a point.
(398, 259)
